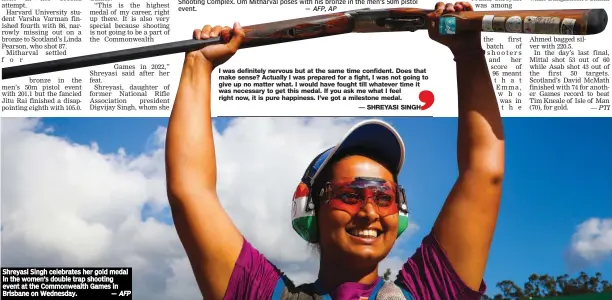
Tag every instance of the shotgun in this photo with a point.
(551, 22)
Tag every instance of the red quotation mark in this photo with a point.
(427, 98)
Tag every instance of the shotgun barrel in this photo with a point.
(567, 22)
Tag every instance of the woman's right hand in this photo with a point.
(218, 54)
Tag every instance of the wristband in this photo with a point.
(463, 54)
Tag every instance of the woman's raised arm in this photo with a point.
(209, 237)
(467, 221)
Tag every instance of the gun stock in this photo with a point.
(569, 22)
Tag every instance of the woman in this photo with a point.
(349, 192)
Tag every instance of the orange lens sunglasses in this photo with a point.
(351, 195)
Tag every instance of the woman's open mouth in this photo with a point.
(364, 235)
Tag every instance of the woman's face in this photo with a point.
(346, 234)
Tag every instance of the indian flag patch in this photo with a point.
(300, 202)
(301, 219)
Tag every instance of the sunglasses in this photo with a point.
(351, 195)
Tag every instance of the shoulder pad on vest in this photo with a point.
(286, 290)
(390, 287)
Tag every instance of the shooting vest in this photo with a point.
(286, 290)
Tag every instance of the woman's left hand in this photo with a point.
(455, 42)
